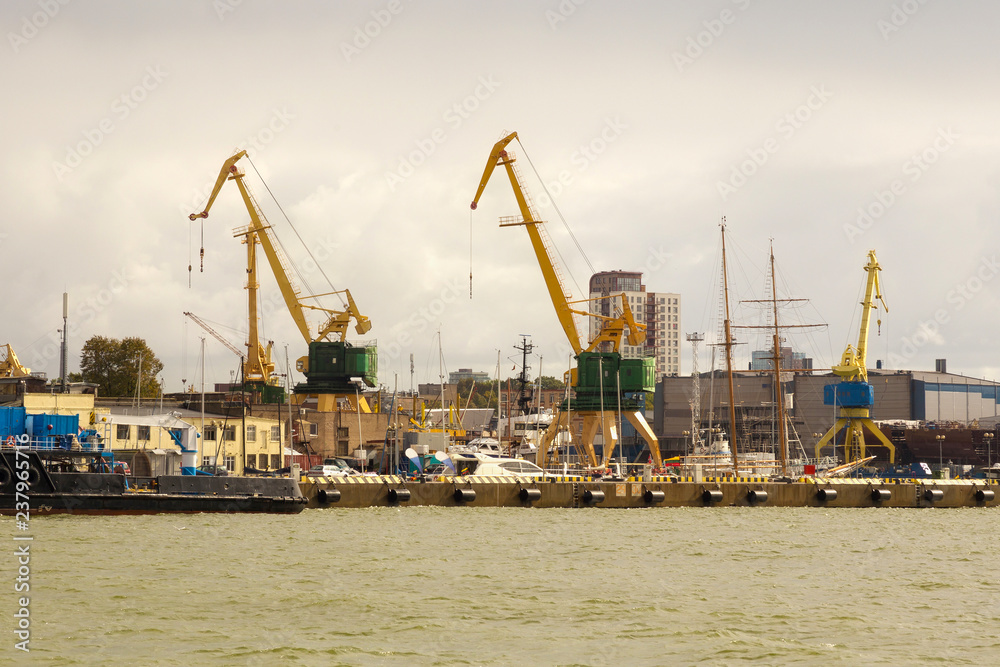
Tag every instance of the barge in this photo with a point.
(28, 485)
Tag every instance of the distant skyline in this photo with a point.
(831, 128)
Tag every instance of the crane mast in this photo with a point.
(854, 395)
(601, 379)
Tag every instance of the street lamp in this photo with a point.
(989, 449)
(940, 441)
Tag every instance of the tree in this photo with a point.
(115, 365)
(484, 395)
(549, 382)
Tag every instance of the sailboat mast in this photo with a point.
(444, 437)
(729, 359)
(779, 393)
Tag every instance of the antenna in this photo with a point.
(62, 349)
(694, 339)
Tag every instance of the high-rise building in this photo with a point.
(660, 312)
(763, 360)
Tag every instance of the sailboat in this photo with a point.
(713, 450)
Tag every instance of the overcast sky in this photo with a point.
(831, 128)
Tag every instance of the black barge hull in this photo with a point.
(48, 492)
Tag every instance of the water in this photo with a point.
(448, 586)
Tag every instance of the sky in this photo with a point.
(822, 129)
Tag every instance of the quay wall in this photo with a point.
(388, 490)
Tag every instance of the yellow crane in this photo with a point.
(10, 367)
(601, 379)
(331, 362)
(854, 395)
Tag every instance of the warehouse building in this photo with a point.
(914, 398)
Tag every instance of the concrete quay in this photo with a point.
(389, 490)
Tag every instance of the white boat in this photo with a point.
(526, 432)
(485, 446)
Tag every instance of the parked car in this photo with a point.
(329, 470)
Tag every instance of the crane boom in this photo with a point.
(215, 334)
(10, 366)
(259, 230)
(560, 299)
(337, 322)
(853, 365)
(614, 327)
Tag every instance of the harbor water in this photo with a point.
(468, 586)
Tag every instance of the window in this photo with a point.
(229, 433)
(275, 433)
(123, 432)
(313, 429)
(262, 461)
(275, 461)
(210, 433)
(206, 461)
(251, 433)
(251, 461)
(342, 433)
(143, 433)
(230, 463)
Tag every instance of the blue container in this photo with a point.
(11, 422)
(54, 430)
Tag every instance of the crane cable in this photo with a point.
(561, 218)
(308, 251)
(470, 254)
(190, 239)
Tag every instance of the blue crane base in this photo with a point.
(849, 395)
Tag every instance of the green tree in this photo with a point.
(115, 364)
(483, 396)
(549, 382)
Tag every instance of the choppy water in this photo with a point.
(437, 586)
